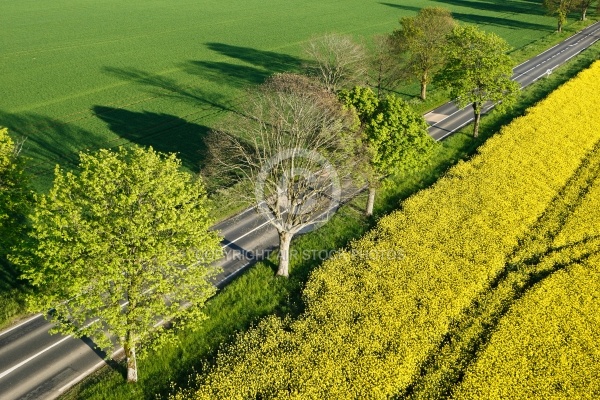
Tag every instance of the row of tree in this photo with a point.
(429, 47)
(303, 149)
(562, 8)
(121, 248)
(288, 126)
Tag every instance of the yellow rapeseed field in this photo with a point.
(547, 345)
(492, 272)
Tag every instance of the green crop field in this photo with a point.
(87, 74)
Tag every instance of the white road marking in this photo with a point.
(81, 376)
(21, 324)
(455, 112)
(520, 75)
(248, 263)
(434, 117)
(19, 365)
(530, 83)
(8, 371)
(245, 234)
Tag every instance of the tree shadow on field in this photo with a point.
(500, 6)
(260, 65)
(535, 258)
(49, 142)
(484, 19)
(165, 133)
(165, 87)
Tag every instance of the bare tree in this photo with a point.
(292, 142)
(336, 60)
(385, 70)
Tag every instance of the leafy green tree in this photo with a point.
(560, 9)
(122, 250)
(15, 196)
(478, 70)
(422, 39)
(394, 137)
(584, 6)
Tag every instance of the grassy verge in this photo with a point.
(12, 295)
(12, 307)
(258, 293)
(536, 47)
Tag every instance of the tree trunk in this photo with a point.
(285, 239)
(583, 13)
(559, 26)
(129, 348)
(424, 86)
(379, 81)
(477, 111)
(371, 201)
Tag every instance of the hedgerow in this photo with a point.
(376, 314)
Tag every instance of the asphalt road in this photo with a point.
(447, 119)
(36, 365)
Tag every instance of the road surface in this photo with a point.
(36, 365)
(447, 119)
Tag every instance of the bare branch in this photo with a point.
(338, 61)
(290, 142)
(19, 143)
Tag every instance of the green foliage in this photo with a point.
(16, 200)
(478, 70)
(422, 39)
(376, 313)
(395, 137)
(15, 197)
(128, 227)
